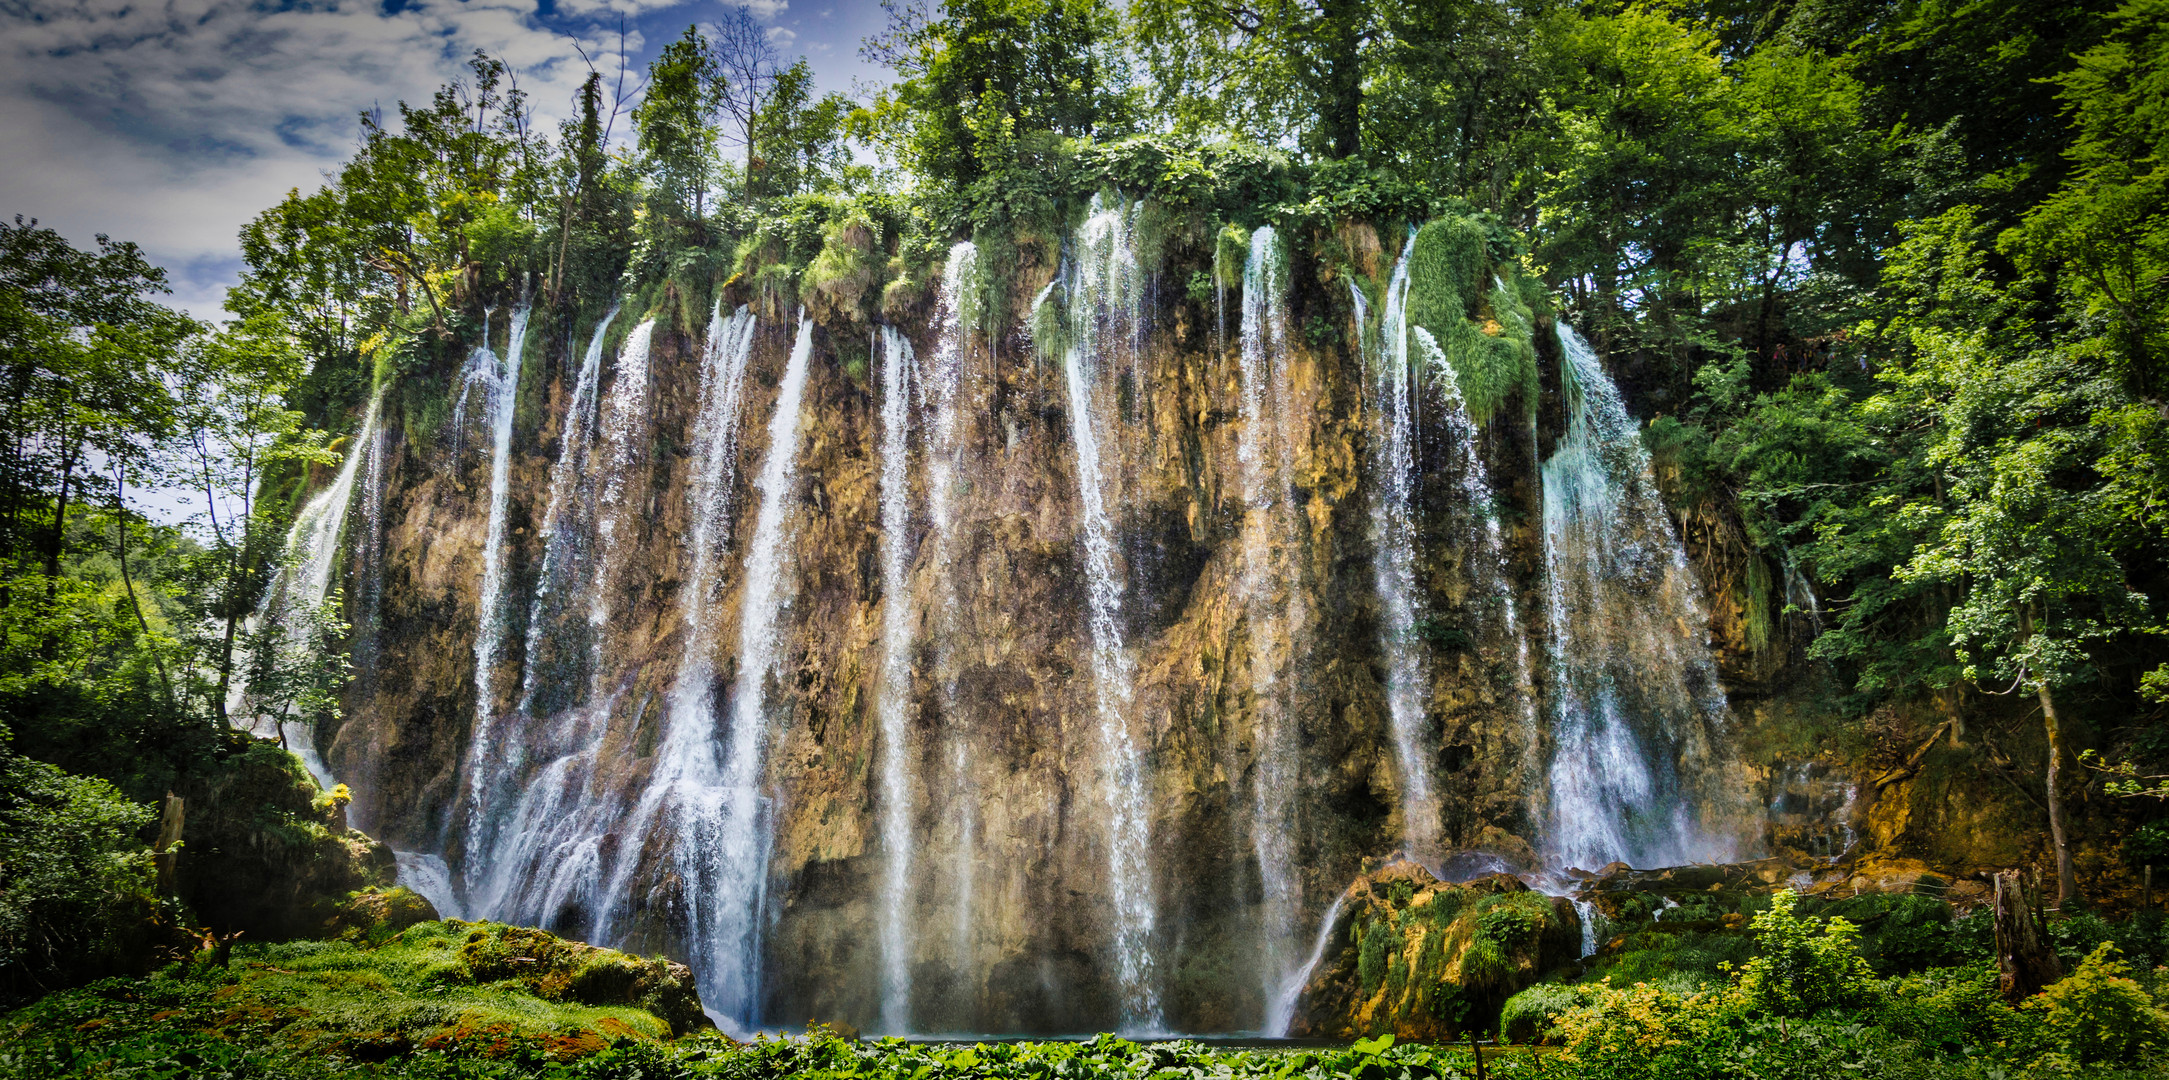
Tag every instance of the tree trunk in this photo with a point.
(2022, 950)
(171, 820)
(2067, 888)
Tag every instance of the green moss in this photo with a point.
(840, 280)
(1480, 328)
(1231, 249)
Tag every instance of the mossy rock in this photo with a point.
(1419, 958)
(376, 914)
(838, 283)
(555, 969)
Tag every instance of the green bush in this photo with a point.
(1800, 971)
(77, 895)
(2097, 1015)
(1528, 1015)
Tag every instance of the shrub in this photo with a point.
(1799, 970)
(1528, 1015)
(1639, 1022)
(77, 893)
(2097, 1015)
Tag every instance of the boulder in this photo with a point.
(1418, 958)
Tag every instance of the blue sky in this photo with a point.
(172, 123)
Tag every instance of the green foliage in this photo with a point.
(1798, 971)
(76, 890)
(2098, 1016)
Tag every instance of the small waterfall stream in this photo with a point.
(1393, 534)
(943, 390)
(622, 435)
(500, 382)
(501, 849)
(892, 696)
(1104, 297)
(304, 583)
(1636, 688)
(1270, 592)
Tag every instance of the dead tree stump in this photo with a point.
(2022, 947)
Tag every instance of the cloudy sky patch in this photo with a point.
(172, 123)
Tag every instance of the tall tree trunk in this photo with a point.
(1342, 68)
(120, 514)
(2067, 888)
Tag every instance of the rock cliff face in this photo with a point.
(1250, 621)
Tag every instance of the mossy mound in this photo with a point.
(555, 969)
(376, 914)
(454, 989)
(1418, 958)
(1480, 323)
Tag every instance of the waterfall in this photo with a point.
(1289, 993)
(1393, 538)
(429, 878)
(1105, 302)
(1265, 452)
(623, 423)
(303, 584)
(500, 380)
(711, 807)
(893, 696)
(944, 388)
(564, 555)
(495, 757)
(1636, 689)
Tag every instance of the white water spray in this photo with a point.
(1393, 538)
(1636, 689)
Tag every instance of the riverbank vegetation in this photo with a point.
(440, 1000)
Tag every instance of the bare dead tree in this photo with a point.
(749, 65)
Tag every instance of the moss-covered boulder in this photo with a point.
(1419, 958)
(377, 914)
(554, 969)
(264, 850)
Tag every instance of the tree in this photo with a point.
(798, 144)
(989, 71)
(1270, 70)
(746, 64)
(236, 430)
(676, 122)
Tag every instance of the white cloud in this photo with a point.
(173, 125)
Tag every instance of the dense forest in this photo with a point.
(1884, 282)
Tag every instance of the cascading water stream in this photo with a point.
(623, 423)
(1636, 689)
(1264, 450)
(1393, 538)
(711, 805)
(304, 584)
(564, 556)
(943, 388)
(501, 849)
(1105, 303)
(500, 380)
(893, 695)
